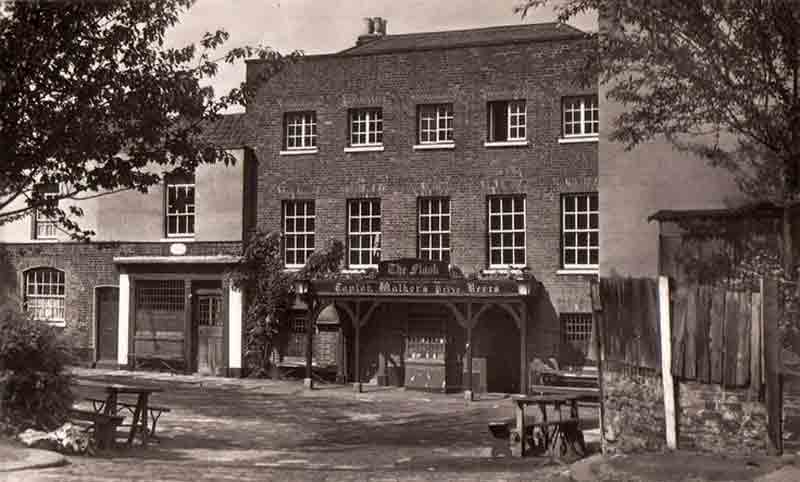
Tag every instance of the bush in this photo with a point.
(34, 387)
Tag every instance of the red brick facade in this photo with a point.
(86, 266)
(539, 72)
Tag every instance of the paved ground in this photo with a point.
(221, 429)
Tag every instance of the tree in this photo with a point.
(93, 102)
(269, 290)
(717, 78)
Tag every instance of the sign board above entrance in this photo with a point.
(410, 268)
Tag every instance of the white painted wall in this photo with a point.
(122, 325)
(234, 327)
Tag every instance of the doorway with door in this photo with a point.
(107, 318)
(209, 329)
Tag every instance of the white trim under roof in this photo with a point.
(215, 259)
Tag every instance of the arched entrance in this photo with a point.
(495, 350)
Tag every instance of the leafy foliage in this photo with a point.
(34, 387)
(95, 103)
(269, 291)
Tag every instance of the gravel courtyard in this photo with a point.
(225, 429)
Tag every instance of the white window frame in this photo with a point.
(435, 120)
(516, 119)
(366, 123)
(45, 227)
(584, 112)
(571, 226)
(293, 219)
(503, 230)
(371, 236)
(300, 131)
(434, 226)
(44, 291)
(187, 213)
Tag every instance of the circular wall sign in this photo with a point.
(177, 249)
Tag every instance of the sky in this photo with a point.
(327, 26)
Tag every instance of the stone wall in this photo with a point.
(710, 418)
(633, 410)
(715, 419)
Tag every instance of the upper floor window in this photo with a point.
(434, 229)
(46, 227)
(44, 294)
(581, 116)
(180, 215)
(506, 231)
(366, 127)
(300, 130)
(298, 232)
(581, 231)
(364, 232)
(435, 123)
(507, 121)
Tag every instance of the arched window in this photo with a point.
(44, 294)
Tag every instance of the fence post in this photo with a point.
(773, 396)
(666, 361)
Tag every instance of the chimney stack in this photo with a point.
(374, 28)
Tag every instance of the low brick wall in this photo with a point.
(720, 420)
(633, 411)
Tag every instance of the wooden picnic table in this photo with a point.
(557, 437)
(113, 390)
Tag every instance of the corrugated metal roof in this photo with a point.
(466, 38)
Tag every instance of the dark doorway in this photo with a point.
(107, 318)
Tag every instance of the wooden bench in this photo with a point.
(104, 426)
(558, 437)
(155, 412)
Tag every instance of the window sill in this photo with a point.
(359, 269)
(577, 140)
(176, 240)
(378, 148)
(57, 324)
(44, 240)
(578, 271)
(297, 152)
(521, 143)
(503, 270)
(442, 145)
(292, 269)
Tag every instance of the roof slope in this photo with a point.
(229, 131)
(531, 32)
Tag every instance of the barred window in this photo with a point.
(364, 233)
(298, 232)
(44, 294)
(300, 130)
(160, 295)
(581, 231)
(434, 229)
(436, 123)
(366, 127)
(581, 116)
(576, 327)
(507, 121)
(180, 214)
(506, 231)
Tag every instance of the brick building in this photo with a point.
(148, 289)
(469, 156)
(470, 147)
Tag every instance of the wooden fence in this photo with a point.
(717, 335)
(630, 322)
(713, 335)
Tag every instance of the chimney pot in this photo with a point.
(378, 25)
(369, 27)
